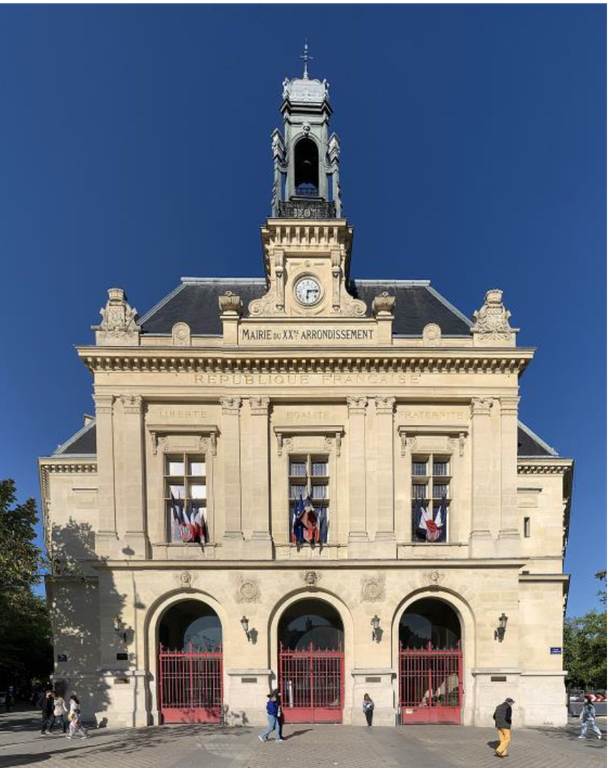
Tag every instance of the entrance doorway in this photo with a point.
(190, 664)
(311, 663)
(430, 663)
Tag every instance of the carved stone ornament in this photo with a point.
(230, 405)
(248, 590)
(180, 334)
(186, 579)
(383, 304)
(432, 334)
(311, 578)
(132, 403)
(373, 589)
(118, 326)
(435, 577)
(491, 320)
(230, 304)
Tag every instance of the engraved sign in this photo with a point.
(306, 379)
(261, 334)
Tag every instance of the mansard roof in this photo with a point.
(195, 302)
(83, 443)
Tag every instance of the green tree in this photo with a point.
(585, 646)
(26, 649)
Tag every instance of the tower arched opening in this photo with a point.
(306, 168)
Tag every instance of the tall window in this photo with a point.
(308, 498)
(186, 498)
(431, 497)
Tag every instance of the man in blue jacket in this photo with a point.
(272, 717)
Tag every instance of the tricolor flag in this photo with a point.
(432, 523)
(297, 525)
(309, 521)
(323, 525)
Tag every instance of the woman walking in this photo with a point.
(59, 712)
(588, 719)
(74, 715)
(272, 718)
(368, 709)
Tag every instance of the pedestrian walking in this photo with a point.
(74, 715)
(588, 719)
(503, 723)
(59, 712)
(280, 714)
(46, 704)
(368, 709)
(272, 720)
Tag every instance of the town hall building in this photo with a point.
(310, 483)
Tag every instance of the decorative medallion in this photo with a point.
(372, 589)
(311, 578)
(186, 579)
(435, 577)
(248, 590)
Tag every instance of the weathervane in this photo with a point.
(305, 58)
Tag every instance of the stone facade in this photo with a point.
(284, 378)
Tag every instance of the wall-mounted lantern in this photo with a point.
(245, 625)
(376, 631)
(501, 630)
(120, 629)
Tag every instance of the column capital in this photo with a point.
(509, 405)
(481, 406)
(132, 403)
(230, 405)
(385, 405)
(357, 404)
(103, 402)
(259, 406)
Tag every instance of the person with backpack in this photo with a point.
(272, 717)
(588, 719)
(74, 716)
(503, 723)
(368, 708)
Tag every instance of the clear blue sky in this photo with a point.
(133, 138)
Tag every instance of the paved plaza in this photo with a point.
(306, 746)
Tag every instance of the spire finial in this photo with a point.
(305, 58)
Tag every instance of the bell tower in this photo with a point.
(306, 159)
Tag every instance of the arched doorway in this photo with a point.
(190, 664)
(430, 663)
(311, 662)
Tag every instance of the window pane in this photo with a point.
(440, 491)
(440, 468)
(198, 491)
(297, 491)
(175, 466)
(319, 491)
(298, 469)
(319, 468)
(419, 468)
(177, 491)
(419, 491)
(197, 467)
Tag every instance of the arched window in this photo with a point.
(190, 625)
(306, 168)
(311, 623)
(429, 621)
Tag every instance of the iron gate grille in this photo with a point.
(190, 685)
(431, 684)
(312, 685)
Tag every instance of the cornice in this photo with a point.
(265, 360)
(544, 465)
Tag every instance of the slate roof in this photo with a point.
(84, 443)
(195, 302)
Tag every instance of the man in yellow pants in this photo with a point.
(503, 722)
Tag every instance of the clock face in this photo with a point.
(308, 290)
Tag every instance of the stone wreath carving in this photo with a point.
(248, 590)
(373, 589)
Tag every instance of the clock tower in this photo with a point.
(306, 242)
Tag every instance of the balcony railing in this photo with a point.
(306, 209)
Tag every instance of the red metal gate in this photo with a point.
(311, 685)
(431, 684)
(190, 686)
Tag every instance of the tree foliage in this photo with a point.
(585, 646)
(26, 648)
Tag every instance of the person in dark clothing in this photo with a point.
(368, 708)
(503, 723)
(272, 719)
(47, 704)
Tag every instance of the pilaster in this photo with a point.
(508, 539)
(357, 537)
(484, 502)
(385, 479)
(106, 535)
(231, 453)
(261, 543)
(131, 496)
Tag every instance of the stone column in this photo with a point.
(132, 497)
(509, 526)
(484, 501)
(385, 479)
(261, 546)
(231, 458)
(357, 538)
(106, 534)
